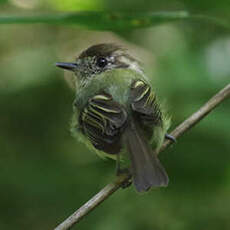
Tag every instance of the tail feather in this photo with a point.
(146, 168)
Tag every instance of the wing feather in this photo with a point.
(102, 121)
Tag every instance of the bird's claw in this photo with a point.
(125, 172)
(170, 137)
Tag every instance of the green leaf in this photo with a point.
(108, 20)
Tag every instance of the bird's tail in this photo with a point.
(146, 168)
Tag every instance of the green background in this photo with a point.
(45, 174)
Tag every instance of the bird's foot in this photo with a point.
(171, 138)
(124, 173)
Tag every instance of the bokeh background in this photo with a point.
(45, 174)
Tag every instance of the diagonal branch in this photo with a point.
(200, 114)
(112, 187)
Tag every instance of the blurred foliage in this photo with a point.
(72, 5)
(101, 20)
(45, 174)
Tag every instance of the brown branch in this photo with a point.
(111, 188)
(200, 114)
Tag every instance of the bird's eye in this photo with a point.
(102, 62)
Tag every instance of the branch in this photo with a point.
(200, 114)
(111, 188)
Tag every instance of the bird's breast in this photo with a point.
(115, 82)
(118, 83)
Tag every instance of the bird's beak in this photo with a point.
(66, 65)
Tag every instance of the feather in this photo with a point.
(103, 121)
(146, 168)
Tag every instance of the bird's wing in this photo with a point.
(102, 121)
(143, 103)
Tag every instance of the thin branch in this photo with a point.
(108, 190)
(200, 114)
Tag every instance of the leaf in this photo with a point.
(108, 20)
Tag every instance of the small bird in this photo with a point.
(117, 114)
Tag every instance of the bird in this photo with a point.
(117, 113)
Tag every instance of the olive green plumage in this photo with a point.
(117, 112)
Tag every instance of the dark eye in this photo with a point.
(102, 62)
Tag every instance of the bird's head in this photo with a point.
(98, 59)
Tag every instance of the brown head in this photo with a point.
(100, 58)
